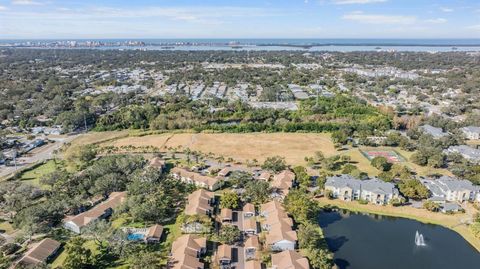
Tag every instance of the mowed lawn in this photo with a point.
(241, 147)
(33, 176)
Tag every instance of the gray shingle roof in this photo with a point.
(433, 131)
(372, 185)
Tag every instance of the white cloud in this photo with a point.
(349, 2)
(446, 9)
(474, 27)
(361, 17)
(26, 3)
(436, 20)
(2, 8)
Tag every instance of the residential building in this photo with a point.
(283, 182)
(252, 264)
(452, 189)
(100, 211)
(278, 226)
(40, 252)
(348, 188)
(265, 176)
(154, 234)
(226, 215)
(433, 131)
(248, 210)
(250, 226)
(157, 163)
(187, 251)
(252, 245)
(270, 207)
(224, 256)
(471, 132)
(200, 202)
(199, 180)
(289, 259)
(467, 152)
(281, 237)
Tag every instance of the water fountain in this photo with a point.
(419, 241)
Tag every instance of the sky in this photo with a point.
(97, 19)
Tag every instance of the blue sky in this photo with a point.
(239, 19)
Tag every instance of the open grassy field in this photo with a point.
(98, 137)
(241, 147)
(33, 176)
(293, 146)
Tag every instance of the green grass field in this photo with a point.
(33, 176)
(7, 227)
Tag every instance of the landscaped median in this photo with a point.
(453, 222)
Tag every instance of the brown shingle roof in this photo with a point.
(289, 259)
(249, 208)
(198, 202)
(185, 250)
(206, 180)
(40, 252)
(252, 242)
(224, 252)
(279, 233)
(155, 231)
(157, 162)
(271, 207)
(226, 214)
(114, 200)
(250, 224)
(253, 265)
(283, 181)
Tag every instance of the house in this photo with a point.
(157, 163)
(224, 256)
(265, 176)
(437, 133)
(281, 237)
(250, 226)
(226, 215)
(252, 245)
(289, 259)
(276, 218)
(348, 188)
(200, 202)
(252, 264)
(187, 251)
(283, 182)
(248, 210)
(471, 132)
(451, 189)
(154, 234)
(270, 207)
(40, 252)
(206, 182)
(100, 211)
(467, 152)
(378, 192)
(278, 226)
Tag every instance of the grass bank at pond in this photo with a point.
(453, 222)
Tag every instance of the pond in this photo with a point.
(372, 241)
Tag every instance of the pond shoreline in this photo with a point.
(451, 222)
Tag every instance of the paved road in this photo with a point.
(36, 155)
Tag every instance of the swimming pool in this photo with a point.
(135, 237)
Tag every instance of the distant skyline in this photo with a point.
(83, 19)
